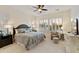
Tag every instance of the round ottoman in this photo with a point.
(55, 40)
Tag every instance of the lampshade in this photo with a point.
(7, 26)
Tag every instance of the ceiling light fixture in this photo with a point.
(39, 8)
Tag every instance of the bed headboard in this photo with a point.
(22, 26)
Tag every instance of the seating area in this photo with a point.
(56, 36)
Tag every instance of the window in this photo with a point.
(56, 23)
(53, 24)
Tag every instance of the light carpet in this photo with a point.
(47, 46)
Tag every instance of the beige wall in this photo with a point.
(15, 17)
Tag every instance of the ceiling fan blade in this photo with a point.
(42, 6)
(35, 10)
(44, 9)
(34, 7)
(39, 6)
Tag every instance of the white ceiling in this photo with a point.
(28, 9)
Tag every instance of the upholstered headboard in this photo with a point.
(22, 26)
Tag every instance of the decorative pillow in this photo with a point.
(23, 30)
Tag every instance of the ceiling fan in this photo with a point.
(40, 8)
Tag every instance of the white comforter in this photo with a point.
(29, 39)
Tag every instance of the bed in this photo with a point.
(30, 39)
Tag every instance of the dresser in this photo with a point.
(5, 40)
